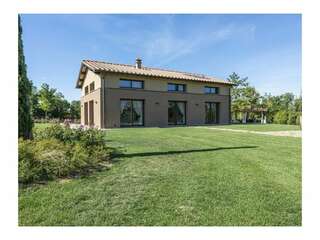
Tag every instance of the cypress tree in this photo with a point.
(25, 91)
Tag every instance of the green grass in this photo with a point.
(261, 127)
(179, 176)
(42, 125)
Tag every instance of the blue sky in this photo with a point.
(266, 48)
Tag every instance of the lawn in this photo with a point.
(261, 127)
(42, 125)
(178, 176)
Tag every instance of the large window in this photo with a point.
(211, 112)
(211, 90)
(130, 83)
(173, 87)
(176, 113)
(131, 112)
(86, 90)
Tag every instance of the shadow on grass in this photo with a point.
(147, 154)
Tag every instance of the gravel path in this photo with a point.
(273, 133)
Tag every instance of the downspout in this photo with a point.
(230, 116)
(102, 99)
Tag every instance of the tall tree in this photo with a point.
(244, 97)
(47, 99)
(25, 90)
(75, 110)
(37, 112)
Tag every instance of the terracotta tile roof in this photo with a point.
(98, 66)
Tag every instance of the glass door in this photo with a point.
(176, 113)
(131, 112)
(211, 109)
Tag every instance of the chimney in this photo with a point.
(138, 63)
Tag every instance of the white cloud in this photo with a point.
(165, 45)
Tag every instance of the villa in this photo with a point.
(122, 95)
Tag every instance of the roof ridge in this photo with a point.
(152, 68)
(98, 61)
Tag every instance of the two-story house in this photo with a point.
(120, 95)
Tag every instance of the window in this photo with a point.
(211, 90)
(131, 84)
(86, 90)
(211, 109)
(173, 87)
(176, 113)
(131, 112)
(92, 87)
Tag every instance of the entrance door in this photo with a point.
(86, 113)
(211, 112)
(91, 113)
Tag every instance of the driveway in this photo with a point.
(272, 133)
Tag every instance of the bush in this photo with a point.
(53, 159)
(281, 117)
(292, 117)
(298, 119)
(88, 138)
(28, 167)
(58, 152)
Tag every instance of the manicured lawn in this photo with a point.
(262, 127)
(179, 176)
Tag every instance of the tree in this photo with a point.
(37, 112)
(75, 110)
(237, 81)
(25, 123)
(61, 107)
(49, 103)
(244, 97)
(47, 99)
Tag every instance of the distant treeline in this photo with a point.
(248, 104)
(48, 103)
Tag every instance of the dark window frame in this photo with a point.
(208, 87)
(86, 90)
(86, 113)
(217, 112)
(131, 85)
(185, 113)
(177, 87)
(143, 112)
(92, 87)
(91, 113)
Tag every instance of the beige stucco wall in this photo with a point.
(161, 84)
(91, 77)
(95, 96)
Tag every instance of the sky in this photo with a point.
(266, 48)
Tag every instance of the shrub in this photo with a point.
(52, 156)
(281, 117)
(298, 119)
(57, 152)
(28, 167)
(88, 138)
(292, 116)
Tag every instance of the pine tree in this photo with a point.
(25, 91)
